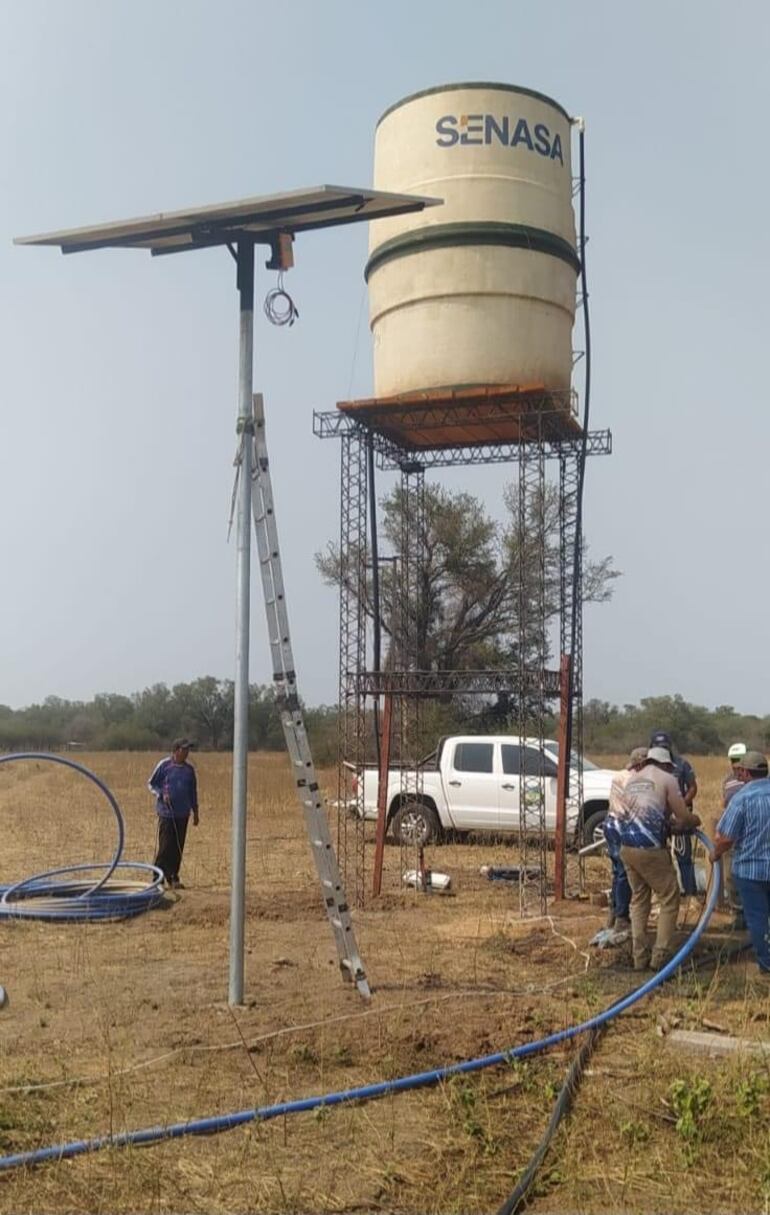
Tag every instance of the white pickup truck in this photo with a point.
(473, 783)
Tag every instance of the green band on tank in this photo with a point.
(447, 236)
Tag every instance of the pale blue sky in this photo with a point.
(117, 373)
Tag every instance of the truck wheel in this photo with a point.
(416, 824)
(592, 828)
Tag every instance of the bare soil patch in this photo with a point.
(127, 1025)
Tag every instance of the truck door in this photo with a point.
(470, 784)
(510, 781)
(550, 770)
(540, 781)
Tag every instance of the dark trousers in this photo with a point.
(171, 837)
(755, 900)
(620, 895)
(684, 862)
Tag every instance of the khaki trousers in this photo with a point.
(651, 869)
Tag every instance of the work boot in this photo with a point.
(622, 924)
(659, 959)
(642, 960)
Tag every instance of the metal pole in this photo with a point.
(382, 792)
(562, 779)
(245, 429)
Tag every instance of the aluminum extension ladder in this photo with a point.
(285, 681)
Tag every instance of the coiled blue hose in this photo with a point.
(39, 897)
(367, 1092)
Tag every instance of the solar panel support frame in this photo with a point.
(239, 227)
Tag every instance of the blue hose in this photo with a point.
(39, 898)
(367, 1092)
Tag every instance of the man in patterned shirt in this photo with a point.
(744, 828)
(620, 895)
(650, 804)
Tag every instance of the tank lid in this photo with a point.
(476, 84)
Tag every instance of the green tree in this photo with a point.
(475, 578)
(113, 708)
(157, 711)
(265, 732)
(206, 706)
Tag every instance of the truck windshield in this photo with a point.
(587, 765)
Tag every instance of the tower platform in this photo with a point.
(454, 417)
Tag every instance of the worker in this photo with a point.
(681, 845)
(650, 805)
(683, 769)
(730, 786)
(744, 829)
(620, 894)
(174, 784)
(732, 782)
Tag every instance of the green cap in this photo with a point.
(753, 761)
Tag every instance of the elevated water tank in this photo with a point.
(482, 289)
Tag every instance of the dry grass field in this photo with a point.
(115, 1026)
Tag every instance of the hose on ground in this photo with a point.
(66, 894)
(368, 1092)
(567, 1093)
(562, 1107)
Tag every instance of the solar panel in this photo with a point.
(273, 220)
(261, 218)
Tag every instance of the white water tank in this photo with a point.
(482, 289)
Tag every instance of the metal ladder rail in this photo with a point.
(292, 721)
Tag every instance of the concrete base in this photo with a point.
(715, 1045)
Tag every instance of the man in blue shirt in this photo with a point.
(745, 828)
(683, 769)
(176, 792)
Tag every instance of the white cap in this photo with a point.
(736, 751)
(660, 755)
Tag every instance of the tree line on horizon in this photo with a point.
(203, 710)
(148, 720)
(487, 597)
(477, 577)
